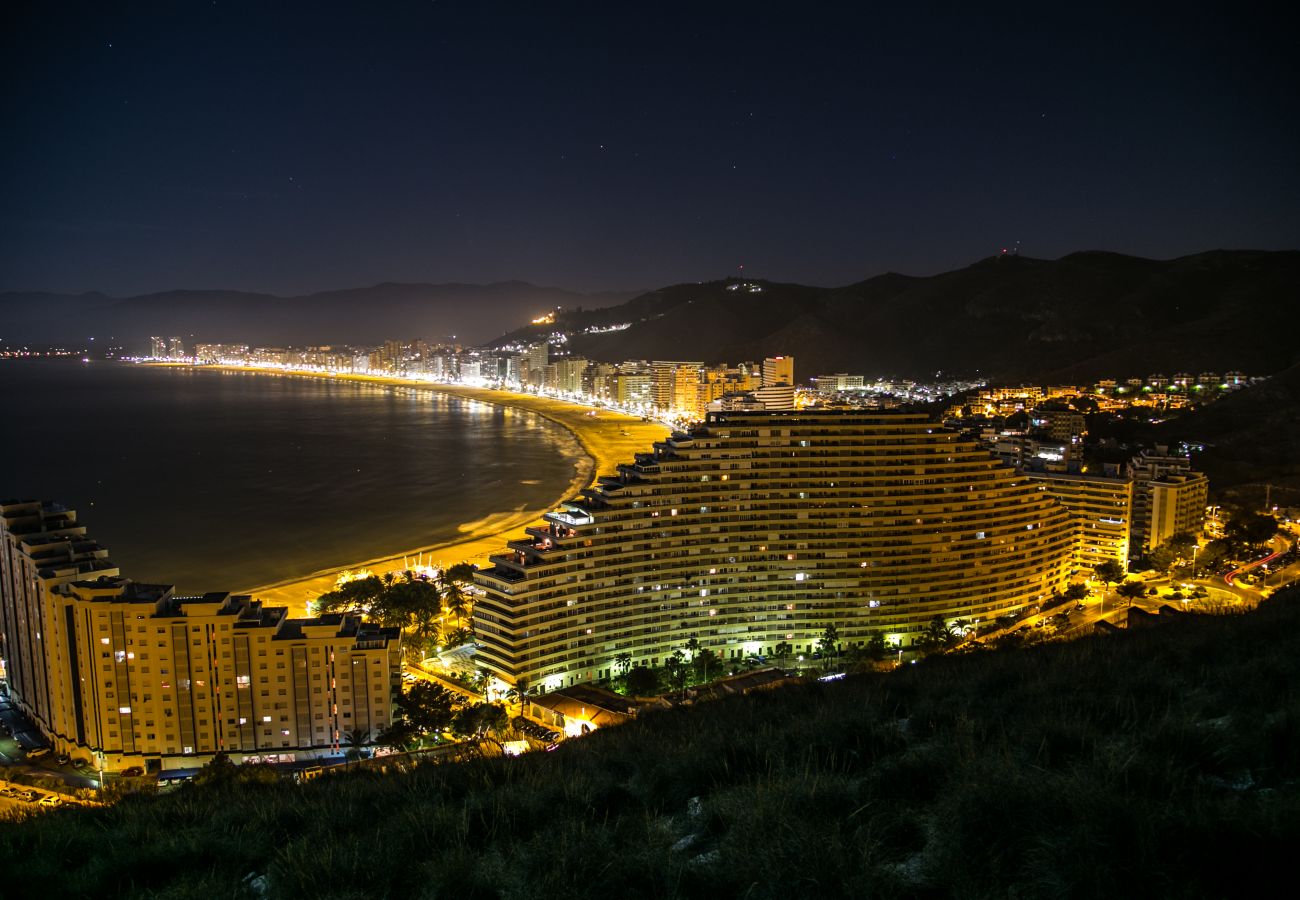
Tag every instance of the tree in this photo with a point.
(641, 681)
(400, 735)
(876, 647)
(1162, 558)
(703, 662)
(1214, 555)
(1181, 544)
(519, 693)
(357, 739)
(938, 636)
(1076, 592)
(1251, 529)
(480, 719)
(424, 633)
(458, 636)
(1109, 571)
(623, 663)
(1131, 590)
(219, 770)
(677, 670)
(828, 643)
(782, 651)
(453, 581)
(391, 601)
(427, 706)
(356, 596)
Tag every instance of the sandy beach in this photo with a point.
(607, 438)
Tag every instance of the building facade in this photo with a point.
(1165, 480)
(126, 674)
(1101, 509)
(760, 528)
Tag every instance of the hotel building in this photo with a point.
(1168, 498)
(1101, 509)
(759, 528)
(126, 674)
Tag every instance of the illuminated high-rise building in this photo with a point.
(778, 370)
(761, 528)
(125, 674)
(1101, 508)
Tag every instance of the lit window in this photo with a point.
(124, 710)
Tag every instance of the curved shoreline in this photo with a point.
(606, 438)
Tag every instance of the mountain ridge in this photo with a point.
(470, 313)
(1088, 314)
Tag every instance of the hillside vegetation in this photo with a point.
(1153, 763)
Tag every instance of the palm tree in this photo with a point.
(357, 739)
(782, 652)
(519, 693)
(675, 665)
(452, 581)
(623, 662)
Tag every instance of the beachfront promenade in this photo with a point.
(608, 438)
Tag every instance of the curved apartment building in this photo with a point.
(763, 527)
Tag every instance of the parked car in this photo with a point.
(38, 752)
(50, 800)
(132, 772)
(61, 759)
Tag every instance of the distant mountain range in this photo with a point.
(1007, 318)
(473, 313)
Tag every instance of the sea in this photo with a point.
(222, 480)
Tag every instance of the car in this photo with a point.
(132, 772)
(38, 752)
(50, 800)
(62, 759)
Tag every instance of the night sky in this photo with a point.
(261, 146)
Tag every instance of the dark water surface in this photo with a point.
(221, 480)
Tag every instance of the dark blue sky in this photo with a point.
(622, 146)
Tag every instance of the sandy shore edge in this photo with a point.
(605, 437)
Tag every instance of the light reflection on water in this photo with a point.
(219, 480)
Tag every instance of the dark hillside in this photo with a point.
(1158, 763)
(1082, 316)
(1252, 438)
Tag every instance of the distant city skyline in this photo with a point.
(295, 149)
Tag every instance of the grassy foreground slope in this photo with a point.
(1152, 763)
